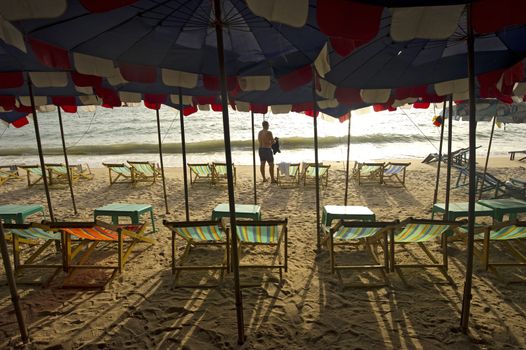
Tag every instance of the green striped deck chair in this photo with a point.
(197, 233)
(354, 234)
(35, 235)
(291, 178)
(144, 171)
(309, 174)
(32, 171)
(59, 173)
(267, 233)
(395, 172)
(418, 231)
(511, 234)
(370, 172)
(219, 172)
(201, 172)
(82, 171)
(122, 171)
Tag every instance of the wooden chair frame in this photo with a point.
(217, 177)
(395, 175)
(8, 172)
(139, 176)
(289, 180)
(28, 169)
(196, 177)
(371, 176)
(127, 179)
(324, 178)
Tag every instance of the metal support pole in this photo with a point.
(437, 182)
(315, 111)
(347, 164)
(449, 151)
(183, 151)
(254, 158)
(487, 156)
(161, 157)
(70, 179)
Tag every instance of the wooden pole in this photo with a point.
(183, 151)
(437, 182)
(66, 160)
(449, 151)
(254, 158)
(487, 156)
(347, 164)
(161, 158)
(314, 117)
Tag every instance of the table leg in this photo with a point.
(115, 219)
(152, 219)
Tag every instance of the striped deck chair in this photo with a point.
(145, 171)
(219, 172)
(8, 173)
(33, 235)
(393, 171)
(59, 173)
(266, 233)
(32, 170)
(89, 235)
(355, 233)
(200, 172)
(82, 171)
(309, 174)
(122, 170)
(291, 178)
(372, 172)
(504, 233)
(197, 233)
(419, 231)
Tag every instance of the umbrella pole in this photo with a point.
(15, 298)
(230, 176)
(437, 182)
(40, 151)
(466, 300)
(449, 150)
(487, 156)
(161, 157)
(183, 151)
(347, 164)
(315, 110)
(68, 170)
(254, 158)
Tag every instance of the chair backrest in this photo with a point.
(507, 230)
(145, 168)
(197, 230)
(310, 170)
(395, 168)
(34, 169)
(294, 168)
(201, 169)
(220, 168)
(32, 231)
(261, 232)
(413, 230)
(57, 168)
(369, 168)
(119, 168)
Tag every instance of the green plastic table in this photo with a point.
(133, 211)
(460, 209)
(501, 207)
(247, 211)
(19, 212)
(350, 212)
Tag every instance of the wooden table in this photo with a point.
(501, 207)
(19, 212)
(133, 211)
(350, 212)
(248, 211)
(460, 209)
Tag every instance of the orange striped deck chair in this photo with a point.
(89, 235)
(419, 231)
(197, 233)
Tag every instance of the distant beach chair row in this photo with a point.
(292, 174)
(380, 172)
(211, 173)
(56, 173)
(459, 157)
(133, 172)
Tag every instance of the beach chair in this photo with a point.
(504, 233)
(89, 235)
(219, 172)
(59, 173)
(32, 171)
(272, 233)
(122, 171)
(516, 188)
(144, 171)
(355, 233)
(288, 174)
(9, 172)
(198, 233)
(309, 174)
(82, 171)
(371, 172)
(201, 173)
(489, 183)
(512, 155)
(393, 171)
(33, 235)
(417, 231)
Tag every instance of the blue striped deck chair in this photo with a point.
(266, 233)
(395, 171)
(504, 233)
(309, 174)
(356, 233)
(145, 171)
(201, 172)
(32, 171)
(291, 177)
(122, 171)
(198, 233)
(419, 231)
(371, 172)
(33, 235)
(219, 172)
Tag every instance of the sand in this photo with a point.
(311, 309)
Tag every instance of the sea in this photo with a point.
(130, 133)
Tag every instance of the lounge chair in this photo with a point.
(122, 170)
(394, 171)
(372, 172)
(417, 231)
(59, 173)
(219, 172)
(8, 173)
(516, 188)
(459, 157)
(145, 171)
(489, 183)
(267, 233)
(288, 174)
(198, 233)
(91, 234)
(201, 173)
(309, 174)
(512, 155)
(355, 233)
(32, 170)
(82, 171)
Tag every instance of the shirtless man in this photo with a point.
(265, 141)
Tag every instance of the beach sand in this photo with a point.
(140, 309)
